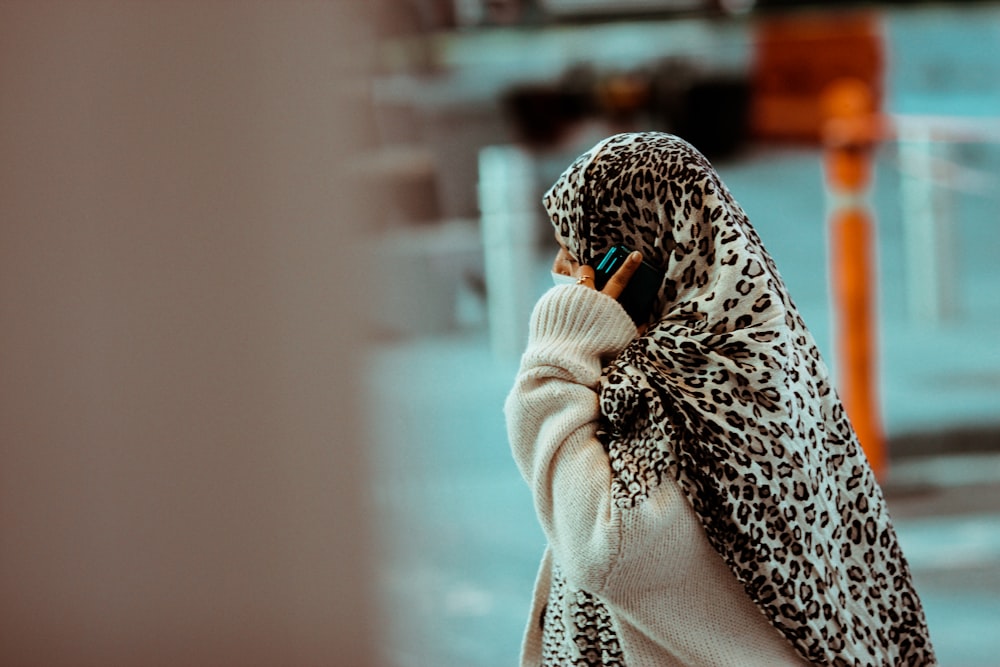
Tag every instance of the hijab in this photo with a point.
(727, 394)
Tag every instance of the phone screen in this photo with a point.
(638, 296)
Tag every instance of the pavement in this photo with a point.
(461, 543)
(459, 538)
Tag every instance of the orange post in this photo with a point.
(851, 129)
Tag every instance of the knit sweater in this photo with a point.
(636, 586)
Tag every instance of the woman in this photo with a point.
(702, 491)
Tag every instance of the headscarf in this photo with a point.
(727, 393)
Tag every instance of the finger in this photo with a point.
(585, 277)
(616, 284)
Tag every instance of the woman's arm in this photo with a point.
(552, 414)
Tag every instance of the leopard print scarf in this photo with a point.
(726, 392)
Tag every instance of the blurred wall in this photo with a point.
(182, 479)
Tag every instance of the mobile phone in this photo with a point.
(638, 296)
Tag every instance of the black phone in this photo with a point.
(638, 296)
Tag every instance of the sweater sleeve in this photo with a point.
(552, 414)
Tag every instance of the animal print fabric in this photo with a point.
(727, 393)
(584, 636)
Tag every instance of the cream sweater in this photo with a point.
(639, 586)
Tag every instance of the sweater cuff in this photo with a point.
(572, 321)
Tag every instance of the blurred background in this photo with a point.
(266, 268)
(181, 459)
(863, 139)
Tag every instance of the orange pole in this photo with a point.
(850, 131)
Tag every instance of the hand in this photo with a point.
(616, 284)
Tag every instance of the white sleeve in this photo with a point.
(552, 415)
